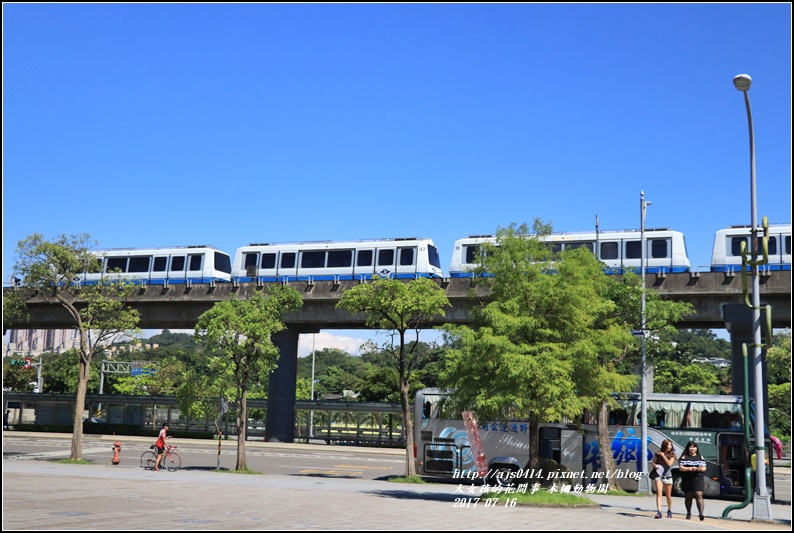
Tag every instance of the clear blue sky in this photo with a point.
(226, 124)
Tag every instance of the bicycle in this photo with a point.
(171, 460)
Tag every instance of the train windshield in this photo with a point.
(432, 253)
(223, 263)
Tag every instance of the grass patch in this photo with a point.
(541, 498)
(74, 461)
(247, 471)
(406, 479)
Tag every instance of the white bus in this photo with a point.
(713, 422)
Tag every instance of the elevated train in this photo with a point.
(620, 251)
(727, 257)
(408, 258)
(163, 265)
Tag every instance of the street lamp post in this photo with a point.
(761, 504)
(645, 485)
(311, 412)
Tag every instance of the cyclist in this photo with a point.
(160, 445)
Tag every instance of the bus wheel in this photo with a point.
(503, 476)
(677, 490)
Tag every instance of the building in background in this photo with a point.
(36, 341)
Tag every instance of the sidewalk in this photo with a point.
(44, 495)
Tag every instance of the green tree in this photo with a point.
(161, 379)
(240, 330)
(779, 372)
(17, 378)
(52, 270)
(549, 341)
(397, 306)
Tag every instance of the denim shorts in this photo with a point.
(667, 480)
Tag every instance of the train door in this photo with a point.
(384, 265)
(195, 267)
(364, 263)
(250, 264)
(406, 262)
(177, 270)
(287, 265)
(159, 269)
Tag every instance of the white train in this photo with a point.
(163, 265)
(726, 255)
(337, 260)
(620, 251)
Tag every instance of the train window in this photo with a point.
(659, 248)
(609, 250)
(117, 264)
(575, 245)
(250, 260)
(736, 245)
(364, 258)
(178, 263)
(139, 264)
(312, 259)
(772, 246)
(434, 258)
(288, 260)
(407, 256)
(160, 264)
(223, 262)
(340, 258)
(555, 247)
(268, 261)
(385, 257)
(472, 254)
(195, 262)
(633, 250)
(787, 245)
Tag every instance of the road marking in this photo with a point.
(366, 467)
(332, 472)
(60, 453)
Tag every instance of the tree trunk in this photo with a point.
(605, 447)
(79, 407)
(242, 428)
(534, 439)
(410, 466)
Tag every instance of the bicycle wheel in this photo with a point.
(171, 461)
(148, 460)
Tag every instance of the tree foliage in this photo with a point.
(393, 305)
(548, 344)
(240, 331)
(52, 270)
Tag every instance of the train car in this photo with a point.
(726, 255)
(163, 265)
(619, 250)
(405, 258)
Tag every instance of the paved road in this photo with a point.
(44, 495)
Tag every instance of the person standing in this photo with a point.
(663, 462)
(692, 466)
(5, 419)
(160, 445)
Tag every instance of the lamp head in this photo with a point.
(742, 82)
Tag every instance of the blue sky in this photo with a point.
(226, 124)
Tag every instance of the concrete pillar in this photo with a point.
(739, 321)
(280, 421)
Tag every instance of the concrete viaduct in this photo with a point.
(716, 297)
